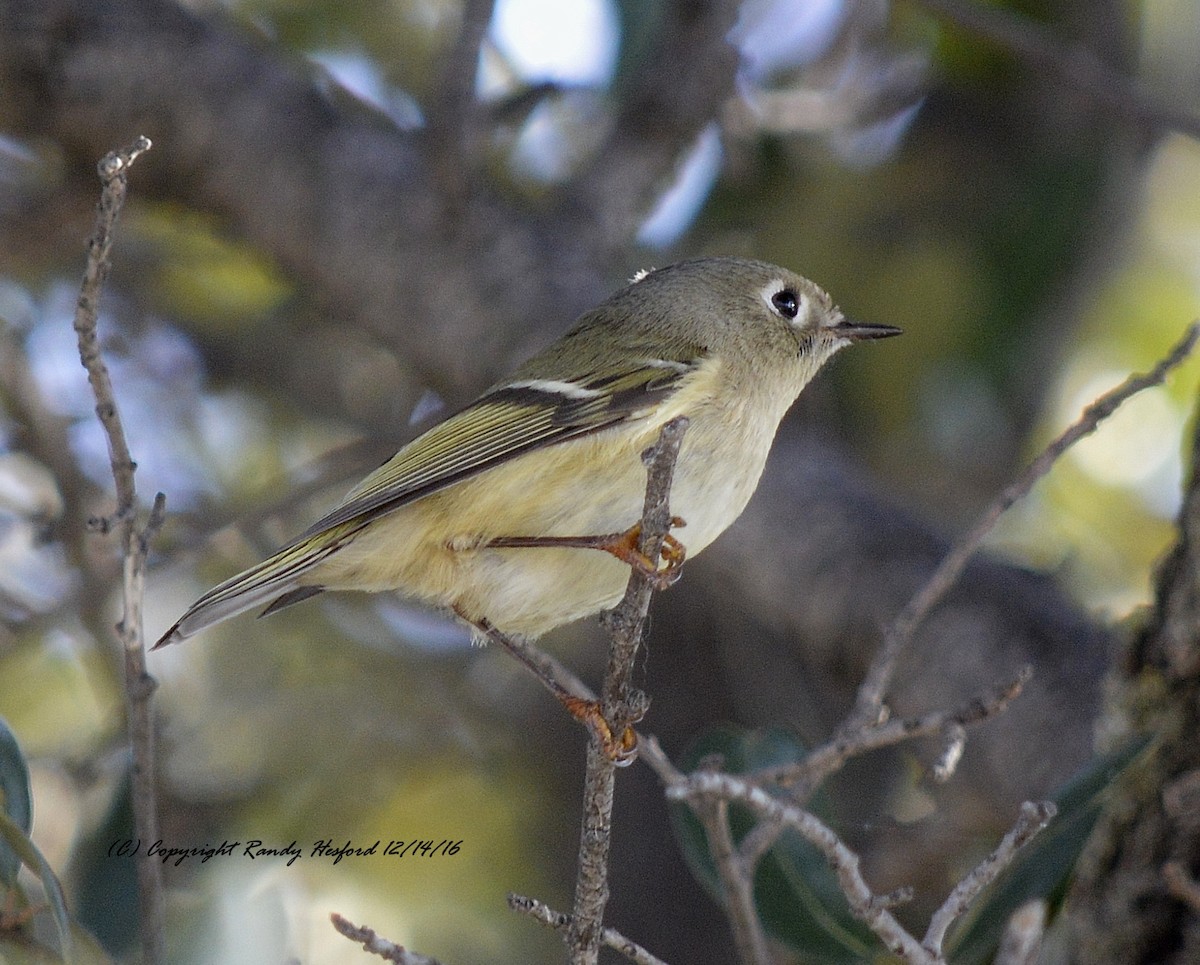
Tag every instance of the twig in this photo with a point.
(868, 705)
(551, 672)
(1032, 819)
(1073, 65)
(863, 902)
(947, 763)
(737, 883)
(541, 912)
(804, 777)
(113, 169)
(371, 942)
(139, 685)
(621, 707)
(650, 752)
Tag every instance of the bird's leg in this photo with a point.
(624, 546)
(620, 749)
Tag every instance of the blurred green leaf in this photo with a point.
(15, 799)
(18, 840)
(1043, 868)
(795, 890)
(104, 890)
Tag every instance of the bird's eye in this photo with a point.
(786, 303)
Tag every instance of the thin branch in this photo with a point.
(650, 753)
(947, 763)
(863, 902)
(1073, 65)
(371, 942)
(758, 841)
(139, 685)
(541, 912)
(1033, 818)
(113, 169)
(737, 881)
(805, 776)
(458, 75)
(868, 705)
(551, 672)
(621, 706)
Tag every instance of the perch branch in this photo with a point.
(621, 706)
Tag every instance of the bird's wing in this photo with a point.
(511, 419)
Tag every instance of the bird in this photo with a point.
(501, 514)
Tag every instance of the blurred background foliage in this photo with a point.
(1034, 246)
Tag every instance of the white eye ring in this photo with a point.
(772, 295)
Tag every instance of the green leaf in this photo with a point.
(15, 799)
(106, 896)
(795, 891)
(1042, 869)
(18, 840)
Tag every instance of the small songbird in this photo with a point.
(497, 513)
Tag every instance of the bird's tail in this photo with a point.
(275, 582)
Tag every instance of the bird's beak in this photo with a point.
(859, 331)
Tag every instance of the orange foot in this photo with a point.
(622, 751)
(624, 546)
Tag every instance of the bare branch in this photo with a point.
(1032, 819)
(650, 752)
(550, 671)
(1075, 66)
(371, 942)
(869, 701)
(113, 169)
(956, 741)
(805, 776)
(621, 707)
(737, 881)
(139, 685)
(541, 912)
(845, 863)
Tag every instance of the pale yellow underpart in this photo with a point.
(434, 551)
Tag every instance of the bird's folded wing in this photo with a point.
(511, 419)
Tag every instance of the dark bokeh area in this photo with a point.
(355, 216)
